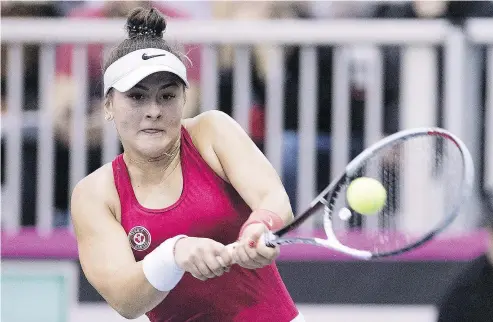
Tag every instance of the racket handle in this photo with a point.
(231, 247)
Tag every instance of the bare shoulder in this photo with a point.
(210, 125)
(96, 188)
(206, 129)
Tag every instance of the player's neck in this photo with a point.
(153, 170)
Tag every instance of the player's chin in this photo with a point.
(152, 149)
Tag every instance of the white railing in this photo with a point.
(418, 85)
(280, 32)
(479, 32)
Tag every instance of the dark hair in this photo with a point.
(145, 28)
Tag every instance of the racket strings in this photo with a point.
(390, 182)
(423, 179)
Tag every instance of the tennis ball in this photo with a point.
(366, 195)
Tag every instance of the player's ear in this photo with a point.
(108, 106)
(184, 89)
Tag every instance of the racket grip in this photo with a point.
(231, 248)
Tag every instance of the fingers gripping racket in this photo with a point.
(427, 173)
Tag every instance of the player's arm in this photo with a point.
(231, 153)
(245, 166)
(105, 254)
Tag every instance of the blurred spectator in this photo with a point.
(454, 11)
(65, 7)
(195, 9)
(284, 10)
(31, 9)
(341, 9)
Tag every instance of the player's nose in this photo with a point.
(153, 111)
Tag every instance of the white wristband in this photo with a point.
(160, 267)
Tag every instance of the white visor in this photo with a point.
(127, 71)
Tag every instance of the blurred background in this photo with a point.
(312, 82)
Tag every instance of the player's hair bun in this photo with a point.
(146, 23)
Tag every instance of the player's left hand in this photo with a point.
(251, 252)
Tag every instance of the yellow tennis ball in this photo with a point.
(366, 196)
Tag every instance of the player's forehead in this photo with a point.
(159, 79)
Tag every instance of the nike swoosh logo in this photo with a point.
(146, 57)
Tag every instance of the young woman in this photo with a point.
(152, 226)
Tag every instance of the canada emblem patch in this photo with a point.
(139, 238)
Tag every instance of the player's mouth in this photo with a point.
(152, 131)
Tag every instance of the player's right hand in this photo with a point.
(204, 258)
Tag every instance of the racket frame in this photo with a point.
(327, 197)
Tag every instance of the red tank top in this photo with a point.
(208, 207)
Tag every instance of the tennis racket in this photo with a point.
(428, 174)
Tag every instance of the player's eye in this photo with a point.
(136, 96)
(168, 96)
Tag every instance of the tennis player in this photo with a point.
(152, 225)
